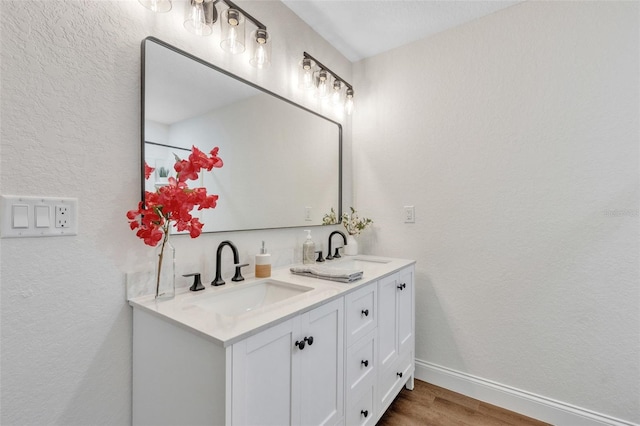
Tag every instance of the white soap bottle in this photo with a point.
(263, 263)
(308, 250)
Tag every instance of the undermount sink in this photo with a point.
(248, 297)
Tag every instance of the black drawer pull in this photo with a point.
(399, 374)
(365, 362)
(365, 312)
(365, 413)
(300, 344)
(402, 286)
(309, 340)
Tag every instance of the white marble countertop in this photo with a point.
(183, 310)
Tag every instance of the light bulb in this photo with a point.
(322, 83)
(307, 73)
(337, 92)
(348, 104)
(233, 38)
(196, 22)
(232, 32)
(262, 49)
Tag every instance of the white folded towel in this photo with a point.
(325, 273)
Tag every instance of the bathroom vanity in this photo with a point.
(285, 350)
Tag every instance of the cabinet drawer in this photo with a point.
(393, 378)
(360, 408)
(361, 312)
(361, 363)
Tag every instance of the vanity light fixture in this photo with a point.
(321, 81)
(200, 15)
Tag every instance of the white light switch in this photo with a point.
(20, 216)
(43, 217)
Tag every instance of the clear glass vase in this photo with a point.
(165, 271)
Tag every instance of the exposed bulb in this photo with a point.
(233, 32)
(307, 77)
(261, 52)
(337, 92)
(197, 22)
(322, 83)
(348, 105)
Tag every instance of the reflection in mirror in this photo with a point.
(282, 162)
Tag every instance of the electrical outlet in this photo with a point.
(62, 216)
(307, 214)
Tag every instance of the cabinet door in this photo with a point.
(388, 293)
(263, 370)
(321, 379)
(405, 312)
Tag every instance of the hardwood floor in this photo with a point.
(430, 405)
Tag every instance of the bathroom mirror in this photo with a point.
(282, 162)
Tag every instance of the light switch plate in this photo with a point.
(22, 216)
(409, 214)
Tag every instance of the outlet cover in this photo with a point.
(22, 216)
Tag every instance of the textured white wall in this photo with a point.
(516, 138)
(70, 110)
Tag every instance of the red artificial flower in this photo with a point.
(173, 203)
(147, 170)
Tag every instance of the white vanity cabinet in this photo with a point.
(336, 355)
(291, 373)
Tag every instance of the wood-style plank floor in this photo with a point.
(430, 405)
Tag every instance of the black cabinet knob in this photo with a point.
(365, 362)
(300, 344)
(402, 286)
(399, 374)
(309, 340)
(365, 312)
(365, 413)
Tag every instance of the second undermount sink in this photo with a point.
(248, 297)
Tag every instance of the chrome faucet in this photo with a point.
(236, 261)
(337, 254)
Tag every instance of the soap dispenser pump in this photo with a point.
(263, 263)
(308, 249)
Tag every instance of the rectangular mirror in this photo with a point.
(282, 162)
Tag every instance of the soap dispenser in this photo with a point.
(308, 250)
(263, 263)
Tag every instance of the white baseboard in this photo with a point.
(535, 406)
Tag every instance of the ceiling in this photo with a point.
(363, 28)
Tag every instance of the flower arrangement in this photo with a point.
(171, 205)
(353, 223)
(330, 218)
